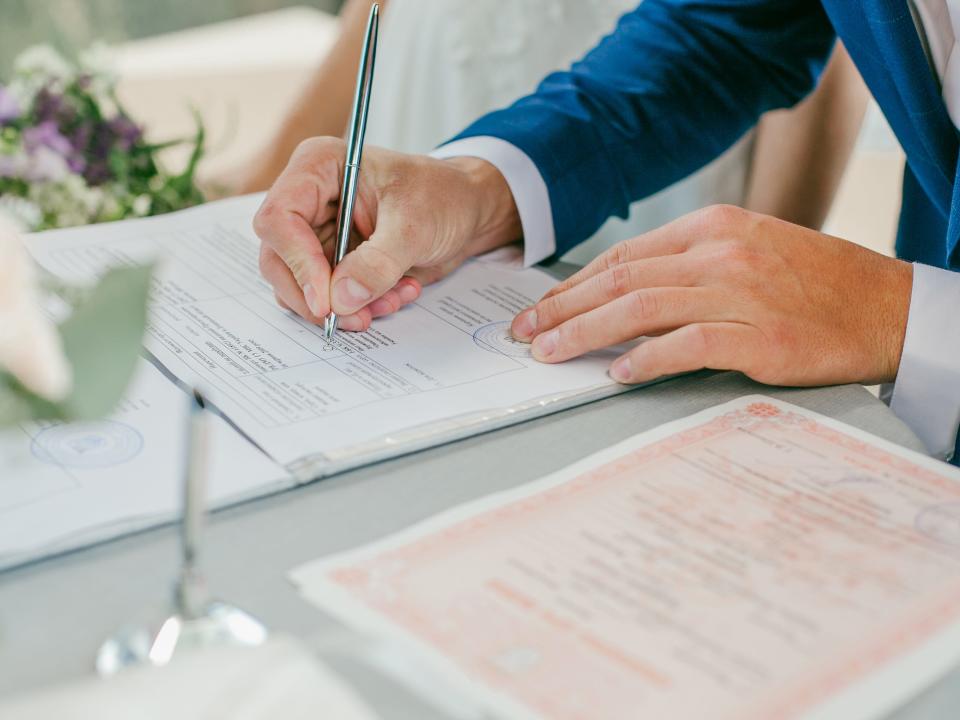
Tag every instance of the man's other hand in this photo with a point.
(727, 289)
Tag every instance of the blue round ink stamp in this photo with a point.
(88, 445)
(941, 523)
(496, 338)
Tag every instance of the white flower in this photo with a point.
(98, 63)
(42, 60)
(30, 347)
(97, 59)
(141, 205)
(24, 214)
(69, 202)
(111, 206)
(93, 201)
(25, 90)
(15, 164)
(37, 67)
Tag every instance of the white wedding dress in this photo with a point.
(443, 63)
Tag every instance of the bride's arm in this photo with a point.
(813, 140)
(324, 105)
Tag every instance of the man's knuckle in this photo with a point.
(548, 310)
(265, 260)
(617, 255)
(702, 341)
(778, 334)
(311, 146)
(642, 305)
(299, 266)
(263, 220)
(618, 281)
(766, 371)
(733, 252)
(723, 218)
(572, 334)
(736, 255)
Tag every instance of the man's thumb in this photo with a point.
(371, 270)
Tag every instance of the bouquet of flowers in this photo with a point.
(71, 155)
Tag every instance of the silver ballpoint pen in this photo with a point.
(351, 170)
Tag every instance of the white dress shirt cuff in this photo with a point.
(926, 395)
(526, 184)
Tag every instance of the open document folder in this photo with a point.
(753, 561)
(440, 369)
(65, 486)
(443, 368)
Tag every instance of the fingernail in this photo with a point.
(380, 307)
(313, 301)
(545, 345)
(353, 323)
(526, 325)
(350, 295)
(408, 293)
(621, 370)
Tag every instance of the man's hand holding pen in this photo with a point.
(416, 219)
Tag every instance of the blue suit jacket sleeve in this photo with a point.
(676, 84)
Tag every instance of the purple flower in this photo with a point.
(80, 138)
(47, 135)
(47, 105)
(97, 155)
(81, 134)
(9, 107)
(126, 132)
(77, 163)
(97, 172)
(120, 133)
(101, 142)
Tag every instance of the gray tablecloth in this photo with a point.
(54, 614)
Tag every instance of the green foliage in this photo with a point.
(181, 191)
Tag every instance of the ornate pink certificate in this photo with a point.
(752, 561)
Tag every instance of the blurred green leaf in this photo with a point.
(16, 403)
(199, 144)
(102, 341)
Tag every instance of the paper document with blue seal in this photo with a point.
(443, 368)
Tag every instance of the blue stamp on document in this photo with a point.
(940, 523)
(87, 446)
(496, 337)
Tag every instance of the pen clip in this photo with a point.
(361, 98)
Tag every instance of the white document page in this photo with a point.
(64, 486)
(441, 368)
(753, 561)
